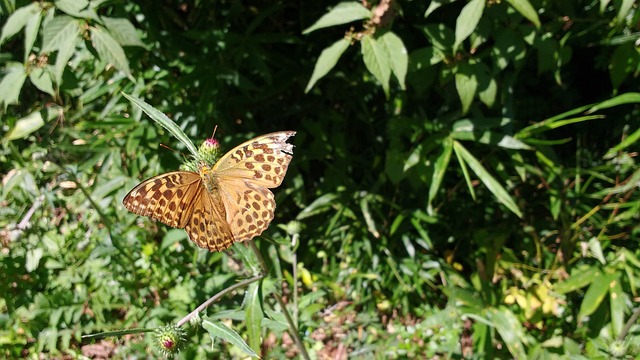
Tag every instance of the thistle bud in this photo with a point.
(170, 339)
(209, 150)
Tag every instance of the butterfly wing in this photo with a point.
(262, 160)
(243, 177)
(168, 198)
(207, 226)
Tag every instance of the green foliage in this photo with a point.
(464, 182)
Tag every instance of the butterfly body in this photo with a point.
(220, 204)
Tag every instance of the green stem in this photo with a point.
(215, 297)
(293, 329)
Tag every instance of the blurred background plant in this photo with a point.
(464, 181)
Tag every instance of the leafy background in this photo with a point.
(463, 185)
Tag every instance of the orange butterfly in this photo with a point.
(217, 206)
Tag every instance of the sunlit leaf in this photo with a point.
(327, 60)
(343, 13)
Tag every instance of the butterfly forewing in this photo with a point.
(263, 160)
(168, 198)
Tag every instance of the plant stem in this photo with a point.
(293, 329)
(215, 297)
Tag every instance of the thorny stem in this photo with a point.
(293, 329)
(215, 297)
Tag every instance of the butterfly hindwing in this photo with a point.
(207, 226)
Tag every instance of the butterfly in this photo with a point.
(220, 204)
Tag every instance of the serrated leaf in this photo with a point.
(398, 57)
(487, 179)
(18, 20)
(326, 61)
(123, 31)
(343, 13)
(468, 20)
(220, 330)
(59, 32)
(376, 60)
(11, 84)
(525, 9)
(41, 78)
(109, 49)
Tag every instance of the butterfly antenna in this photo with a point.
(214, 131)
(172, 149)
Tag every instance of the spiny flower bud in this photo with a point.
(209, 150)
(196, 320)
(170, 339)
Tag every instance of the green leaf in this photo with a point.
(33, 259)
(468, 20)
(254, 315)
(618, 307)
(319, 205)
(524, 7)
(510, 330)
(123, 31)
(18, 20)
(466, 85)
(623, 99)
(489, 181)
(487, 87)
(30, 33)
(509, 49)
(624, 9)
(11, 83)
(625, 143)
(376, 60)
(58, 32)
(435, 4)
(109, 50)
(441, 36)
(398, 57)
(78, 8)
(595, 293)
(467, 176)
(25, 126)
(65, 52)
(327, 60)
(624, 61)
(343, 13)
(394, 165)
(41, 78)
(439, 168)
(165, 122)
(220, 330)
